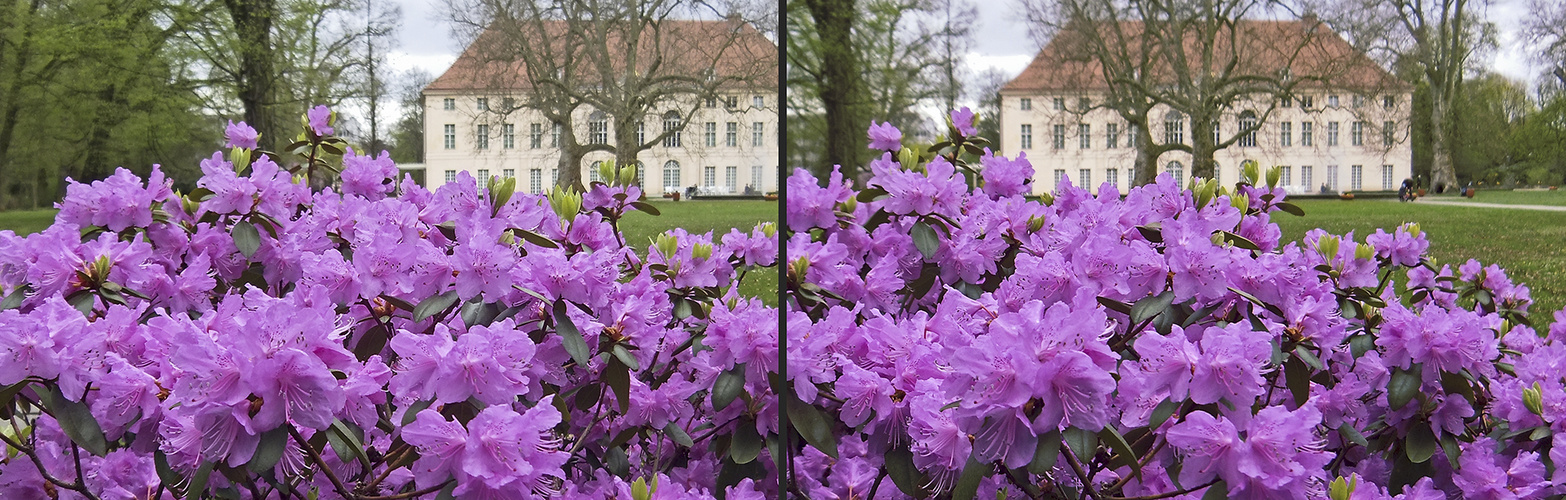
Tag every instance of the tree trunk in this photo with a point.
(1146, 166)
(840, 85)
(1202, 147)
(568, 170)
(1443, 174)
(13, 104)
(253, 22)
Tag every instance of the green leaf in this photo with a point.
(1297, 376)
(346, 442)
(1115, 305)
(730, 384)
(813, 425)
(1291, 209)
(1310, 359)
(1149, 307)
(269, 450)
(75, 420)
(900, 467)
(1046, 454)
(1421, 444)
(1350, 434)
(1240, 241)
(246, 238)
(372, 342)
(14, 300)
(1452, 451)
(618, 377)
(678, 434)
(428, 307)
(1455, 384)
(1218, 491)
(1162, 413)
(925, 240)
(968, 483)
(746, 444)
(646, 207)
(1083, 443)
(534, 238)
(198, 482)
(1118, 443)
(624, 355)
(1403, 387)
(570, 337)
(413, 411)
(869, 194)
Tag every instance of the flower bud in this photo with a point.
(1274, 174)
(606, 171)
(628, 175)
(500, 191)
(1364, 251)
(850, 205)
(1240, 201)
(701, 251)
(1533, 398)
(798, 268)
(1341, 489)
(908, 158)
(565, 202)
(666, 245)
(1035, 223)
(1250, 172)
(1328, 246)
(1412, 228)
(240, 157)
(769, 230)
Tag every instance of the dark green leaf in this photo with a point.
(1162, 413)
(1455, 384)
(678, 434)
(813, 425)
(968, 483)
(269, 450)
(1115, 305)
(535, 238)
(1361, 344)
(1452, 451)
(900, 467)
(869, 194)
(1297, 376)
(1117, 442)
(1149, 307)
(1218, 491)
(1350, 434)
(747, 444)
(617, 461)
(570, 337)
(198, 482)
(346, 442)
(1421, 443)
(925, 240)
(1403, 387)
(1240, 241)
(428, 307)
(1309, 358)
(646, 207)
(618, 377)
(730, 384)
(82, 300)
(1083, 443)
(14, 300)
(624, 355)
(246, 238)
(372, 342)
(1291, 208)
(413, 411)
(1046, 454)
(587, 396)
(1151, 233)
(75, 420)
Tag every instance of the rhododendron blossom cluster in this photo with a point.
(962, 340)
(257, 338)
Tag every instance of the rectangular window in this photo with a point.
(483, 175)
(1386, 177)
(731, 135)
(483, 104)
(1060, 137)
(731, 179)
(710, 138)
(758, 102)
(1027, 136)
(1083, 103)
(1112, 176)
(712, 102)
(1287, 102)
(482, 141)
(1131, 138)
(641, 132)
(1288, 176)
(448, 104)
(1060, 104)
(758, 134)
(508, 136)
(535, 181)
(1307, 102)
(1026, 104)
(1356, 177)
(451, 136)
(1112, 136)
(598, 131)
(672, 127)
(1085, 136)
(709, 176)
(535, 135)
(1332, 101)
(1388, 101)
(1305, 176)
(1332, 134)
(1286, 134)
(1332, 177)
(508, 173)
(451, 176)
(1060, 177)
(1305, 133)
(756, 182)
(1357, 133)
(1085, 178)
(1388, 134)
(1359, 100)
(554, 136)
(733, 102)
(671, 177)
(1174, 131)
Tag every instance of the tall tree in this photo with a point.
(1545, 31)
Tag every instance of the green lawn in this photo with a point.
(695, 216)
(1527, 243)
(1508, 197)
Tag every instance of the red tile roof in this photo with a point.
(735, 50)
(1306, 49)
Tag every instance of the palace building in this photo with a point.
(1345, 130)
(729, 145)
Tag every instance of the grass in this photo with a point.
(1509, 197)
(697, 217)
(1527, 243)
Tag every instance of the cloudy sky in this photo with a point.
(427, 41)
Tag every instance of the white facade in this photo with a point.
(1322, 138)
(730, 144)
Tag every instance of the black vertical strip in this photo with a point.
(785, 431)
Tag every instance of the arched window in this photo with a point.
(598, 128)
(1177, 171)
(1174, 128)
(671, 176)
(1248, 127)
(592, 172)
(671, 126)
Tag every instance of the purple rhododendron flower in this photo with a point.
(241, 135)
(962, 120)
(885, 137)
(320, 120)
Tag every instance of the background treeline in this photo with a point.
(90, 85)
